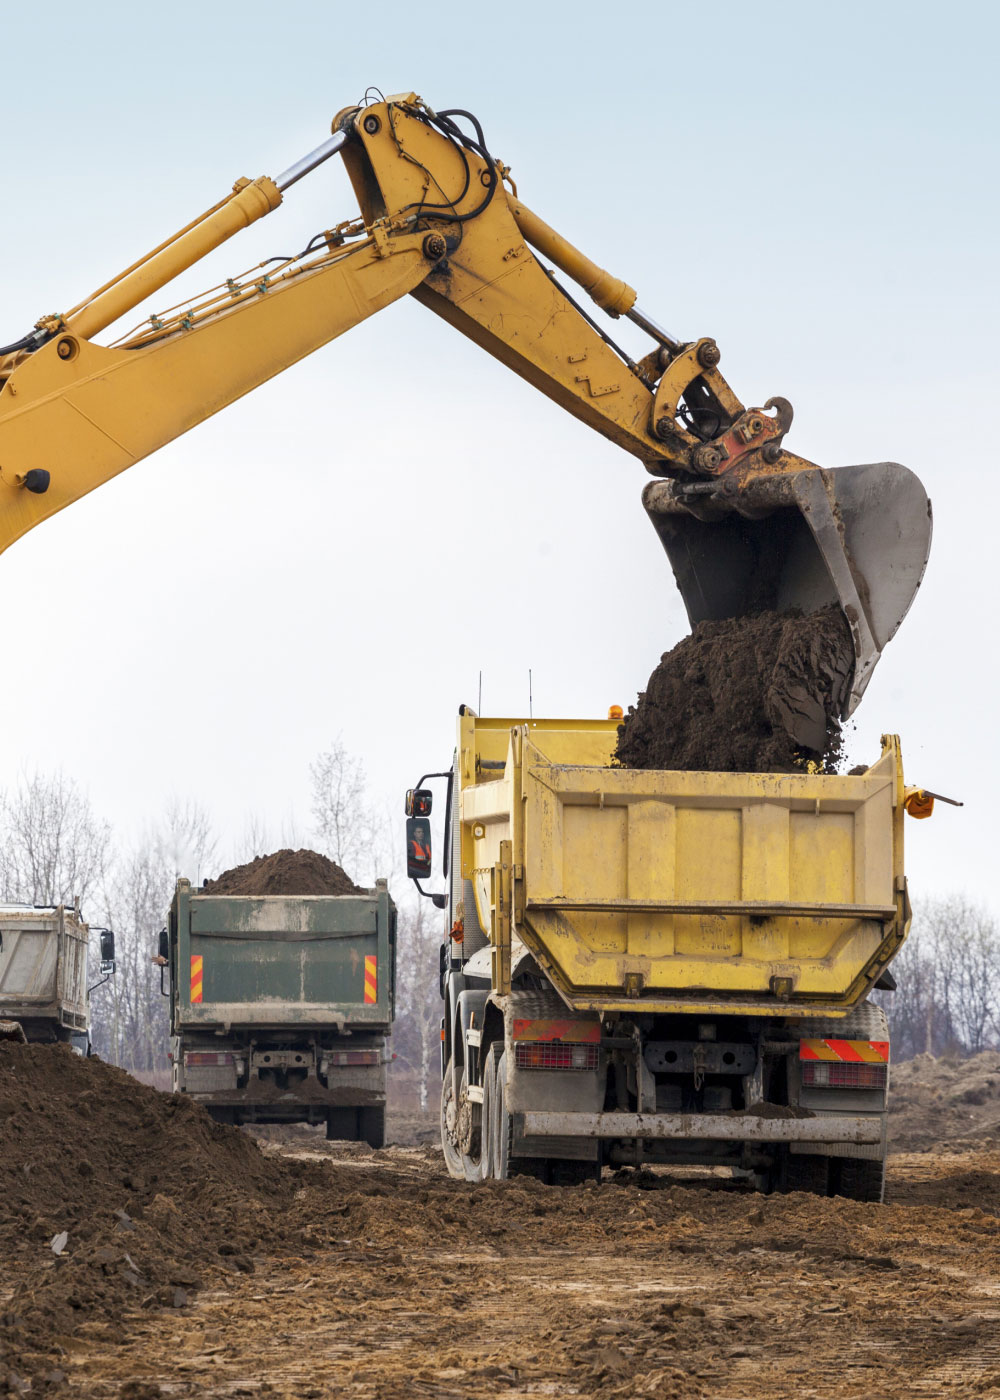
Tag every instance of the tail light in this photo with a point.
(208, 1057)
(353, 1057)
(551, 1054)
(838, 1074)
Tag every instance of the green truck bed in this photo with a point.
(303, 961)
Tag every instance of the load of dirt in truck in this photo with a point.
(755, 694)
(285, 872)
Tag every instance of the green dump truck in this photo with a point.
(44, 994)
(280, 1006)
(647, 966)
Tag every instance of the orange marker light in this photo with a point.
(615, 712)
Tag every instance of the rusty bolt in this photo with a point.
(755, 424)
(65, 349)
(435, 247)
(707, 458)
(771, 452)
(666, 429)
(372, 125)
(709, 354)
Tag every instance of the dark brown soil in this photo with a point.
(153, 1198)
(285, 872)
(748, 695)
(197, 1263)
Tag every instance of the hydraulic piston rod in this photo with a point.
(329, 148)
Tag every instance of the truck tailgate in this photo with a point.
(302, 960)
(769, 893)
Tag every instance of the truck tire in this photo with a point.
(801, 1171)
(372, 1126)
(449, 1126)
(564, 1172)
(487, 1155)
(342, 1125)
(505, 1164)
(858, 1178)
(502, 1125)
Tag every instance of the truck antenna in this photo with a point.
(479, 708)
(530, 716)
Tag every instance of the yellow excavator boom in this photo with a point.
(746, 523)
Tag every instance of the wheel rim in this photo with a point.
(449, 1126)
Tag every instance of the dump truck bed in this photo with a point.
(768, 894)
(298, 961)
(43, 968)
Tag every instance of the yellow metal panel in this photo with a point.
(708, 866)
(652, 859)
(676, 890)
(822, 857)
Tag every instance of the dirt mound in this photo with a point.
(748, 695)
(945, 1104)
(284, 872)
(116, 1196)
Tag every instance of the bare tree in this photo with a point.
(948, 981)
(260, 837)
(185, 841)
(349, 828)
(53, 849)
(416, 1036)
(130, 1016)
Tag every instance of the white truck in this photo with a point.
(44, 993)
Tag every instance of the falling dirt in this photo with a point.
(200, 1262)
(284, 872)
(749, 695)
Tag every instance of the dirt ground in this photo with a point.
(290, 1267)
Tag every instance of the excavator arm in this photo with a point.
(746, 524)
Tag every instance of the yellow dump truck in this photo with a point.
(663, 966)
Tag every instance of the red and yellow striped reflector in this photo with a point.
(371, 979)
(197, 966)
(852, 1052)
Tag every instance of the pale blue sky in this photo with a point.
(813, 186)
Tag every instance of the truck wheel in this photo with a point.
(502, 1125)
(858, 1178)
(486, 1154)
(804, 1172)
(342, 1124)
(373, 1126)
(449, 1127)
(505, 1164)
(563, 1172)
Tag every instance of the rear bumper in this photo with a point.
(856, 1130)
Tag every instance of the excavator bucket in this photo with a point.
(859, 536)
(12, 1030)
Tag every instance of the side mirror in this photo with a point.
(419, 802)
(418, 848)
(163, 948)
(107, 950)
